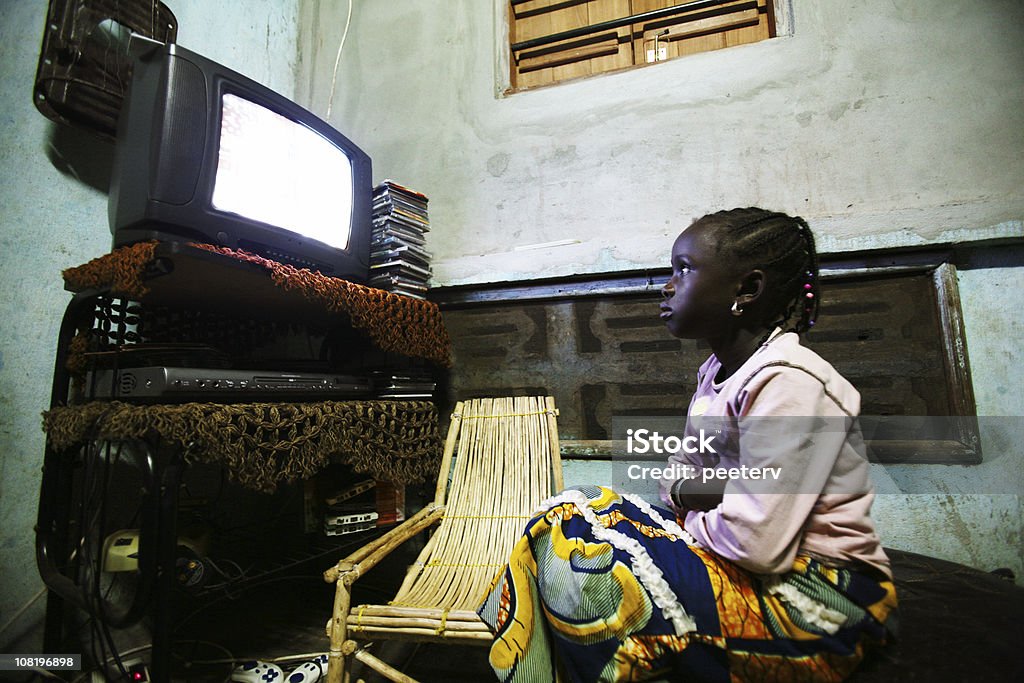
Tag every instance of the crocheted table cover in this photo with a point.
(264, 444)
(395, 323)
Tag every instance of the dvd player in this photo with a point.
(169, 384)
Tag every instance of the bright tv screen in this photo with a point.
(277, 171)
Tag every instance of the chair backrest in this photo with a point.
(503, 458)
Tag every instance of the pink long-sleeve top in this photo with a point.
(788, 417)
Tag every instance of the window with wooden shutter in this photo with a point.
(557, 40)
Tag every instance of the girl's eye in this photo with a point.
(682, 269)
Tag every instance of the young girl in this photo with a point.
(776, 573)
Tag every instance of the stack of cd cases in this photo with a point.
(398, 260)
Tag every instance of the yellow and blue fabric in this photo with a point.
(605, 587)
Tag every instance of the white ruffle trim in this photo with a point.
(828, 620)
(643, 566)
(668, 525)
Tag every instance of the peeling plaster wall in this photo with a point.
(54, 215)
(885, 123)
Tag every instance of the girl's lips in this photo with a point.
(666, 313)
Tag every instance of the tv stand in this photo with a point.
(179, 297)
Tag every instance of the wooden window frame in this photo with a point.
(617, 41)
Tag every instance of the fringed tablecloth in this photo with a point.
(264, 444)
(395, 323)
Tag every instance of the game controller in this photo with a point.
(309, 672)
(258, 672)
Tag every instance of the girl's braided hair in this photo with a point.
(783, 247)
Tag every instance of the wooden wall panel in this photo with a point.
(611, 355)
(883, 335)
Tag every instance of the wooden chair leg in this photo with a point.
(338, 661)
(385, 670)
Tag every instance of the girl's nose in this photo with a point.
(667, 290)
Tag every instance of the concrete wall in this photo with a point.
(882, 122)
(885, 123)
(54, 215)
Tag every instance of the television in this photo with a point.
(205, 154)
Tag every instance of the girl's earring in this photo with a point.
(736, 310)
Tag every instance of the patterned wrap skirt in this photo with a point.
(605, 587)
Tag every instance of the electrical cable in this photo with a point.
(232, 659)
(256, 582)
(87, 565)
(249, 586)
(97, 475)
(239, 575)
(46, 673)
(92, 569)
(98, 566)
(337, 60)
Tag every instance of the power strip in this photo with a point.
(138, 672)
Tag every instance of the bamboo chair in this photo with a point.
(506, 461)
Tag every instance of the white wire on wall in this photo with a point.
(337, 60)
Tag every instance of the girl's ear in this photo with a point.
(752, 285)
